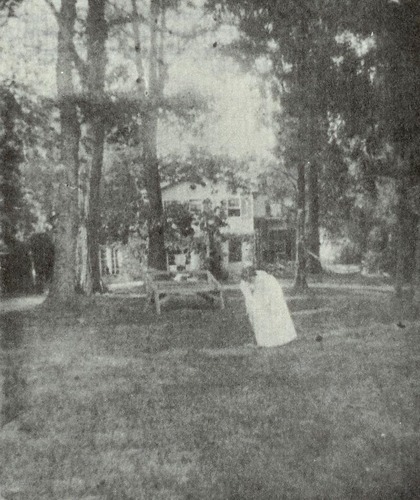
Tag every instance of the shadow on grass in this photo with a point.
(12, 356)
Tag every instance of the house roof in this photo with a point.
(167, 184)
(203, 182)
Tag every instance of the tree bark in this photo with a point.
(314, 263)
(63, 288)
(150, 96)
(300, 284)
(83, 261)
(156, 251)
(96, 55)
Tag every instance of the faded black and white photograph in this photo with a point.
(209, 249)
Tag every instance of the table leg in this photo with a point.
(157, 302)
(149, 300)
(222, 300)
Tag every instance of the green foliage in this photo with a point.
(37, 140)
(199, 232)
(179, 229)
(9, 6)
(200, 166)
(383, 86)
(11, 155)
(181, 225)
(123, 209)
(348, 78)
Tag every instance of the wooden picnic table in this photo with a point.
(162, 284)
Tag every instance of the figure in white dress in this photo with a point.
(268, 312)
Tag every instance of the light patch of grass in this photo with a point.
(124, 405)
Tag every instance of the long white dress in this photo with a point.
(268, 312)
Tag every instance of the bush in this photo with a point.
(350, 254)
(278, 270)
(372, 262)
(41, 247)
(16, 272)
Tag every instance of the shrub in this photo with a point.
(350, 254)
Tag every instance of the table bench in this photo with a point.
(162, 284)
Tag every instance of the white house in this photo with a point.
(238, 248)
(255, 231)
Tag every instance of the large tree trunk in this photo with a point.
(83, 261)
(314, 263)
(156, 251)
(96, 35)
(94, 218)
(64, 278)
(300, 284)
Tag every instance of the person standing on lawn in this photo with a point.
(268, 312)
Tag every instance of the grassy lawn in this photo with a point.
(109, 402)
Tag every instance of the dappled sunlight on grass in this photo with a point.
(122, 404)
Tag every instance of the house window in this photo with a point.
(169, 203)
(234, 207)
(104, 262)
(235, 250)
(170, 258)
(144, 197)
(115, 261)
(207, 205)
(280, 245)
(195, 206)
(110, 262)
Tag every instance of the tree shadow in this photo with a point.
(14, 383)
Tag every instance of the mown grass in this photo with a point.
(108, 402)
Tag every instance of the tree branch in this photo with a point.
(290, 177)
(53, 8)
(125, 19)
(141, 82)
(80, 64)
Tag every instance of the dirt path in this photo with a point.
(20, 303)
(353, 286)
(24, 303)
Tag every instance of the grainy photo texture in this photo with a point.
(209, 249)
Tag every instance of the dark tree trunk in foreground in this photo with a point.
(314, 263)
(94, 217)
(156, 253)
(63, 288)
(300, 284)
(96, 36)
(148, 139)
